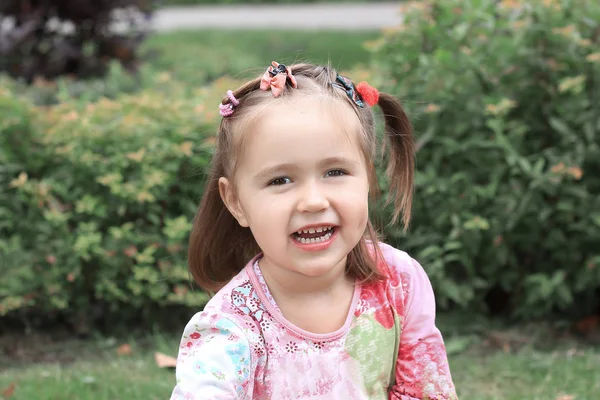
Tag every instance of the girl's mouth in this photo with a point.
(314, 235)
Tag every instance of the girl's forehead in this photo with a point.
(304, 130)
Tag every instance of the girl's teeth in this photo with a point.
(315, 240)
(314, 230)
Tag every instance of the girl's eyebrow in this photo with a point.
(338, 160)
(268, 172)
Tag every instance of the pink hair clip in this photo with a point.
(275, 78)
(227, 109)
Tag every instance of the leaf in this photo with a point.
(164, 361)
(124, 350)
(560, 126)
(595, 218)
(8, 392)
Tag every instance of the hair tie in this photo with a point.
(368, 93)
(361, 94)
(275, 78)
(227, 109)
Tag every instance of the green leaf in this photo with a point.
(560, 126)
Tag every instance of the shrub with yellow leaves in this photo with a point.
(96, 201)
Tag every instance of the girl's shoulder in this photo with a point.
(221, 302)
(398, 261)
(240, 301)
(405, 279)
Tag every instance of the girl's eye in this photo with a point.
(335, 172)
(280, 181)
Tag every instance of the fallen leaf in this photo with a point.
(565, 397)
(6, 393)
(164, 361)
(124, 350)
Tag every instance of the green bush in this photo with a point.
(96, 201)
(505, 97)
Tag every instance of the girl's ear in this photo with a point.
(231, 201)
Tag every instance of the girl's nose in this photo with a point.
(312, 199)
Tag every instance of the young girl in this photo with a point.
(309, 304)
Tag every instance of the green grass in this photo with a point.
(478, 375)
(199, 56)
(527, 375)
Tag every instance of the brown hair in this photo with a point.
(219, 247)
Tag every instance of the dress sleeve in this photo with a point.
(422, 370)
(214, 361)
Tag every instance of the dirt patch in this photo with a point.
(33, 348)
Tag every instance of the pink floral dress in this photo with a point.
(242, 347)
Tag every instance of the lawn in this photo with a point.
(199, 56)
(480, 373)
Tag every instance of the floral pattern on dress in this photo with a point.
(242, 347)
(231, 365)
(369, 344)
(426, 373)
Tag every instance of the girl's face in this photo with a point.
(302, 186)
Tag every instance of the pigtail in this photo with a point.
(399, 151)
(218, 245)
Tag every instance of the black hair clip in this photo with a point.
(279, 69)
(346, 85)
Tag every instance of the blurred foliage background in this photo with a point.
(505, 99)
(102, 158)
(253, 2)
